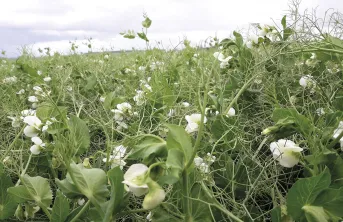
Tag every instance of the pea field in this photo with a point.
(249, 128)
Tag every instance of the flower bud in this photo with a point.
(155, 196)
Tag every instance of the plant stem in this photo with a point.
(84, 208)
(45, 210)
(185, 190)
(25, 169)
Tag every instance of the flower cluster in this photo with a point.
(117, 159)
(203, 164)
(223, 61)
(308, 82)
(10, 80)
(122, 113)
(194, 121)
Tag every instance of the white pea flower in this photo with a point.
(139, 97)
(15, 121)
(320, 111)
(101, 61)
(38, 145)
(33, 99)
(148, 87)
(48, 123)
(134, 179)
(102, 99)
(149, 216)
(185, 104)
(33, 127)
(273, 35)
(117, 158)
(194, 122)
(81, 201)
(224, 61)
(198, 161)
(28, 112)
(6, 160)
(265, 29)
(11, 79)
(252, 40)
(124, 107)
(121, 125)
(171, 113)
(106, 57)
(47, 79)
(118, 114)
(338, 131)
(307, 81)
(313, 56)
(210, 159)
(22, 91)
(231, 112)
(39, 72)
(69, 88)
(141, 68)
(286, 152)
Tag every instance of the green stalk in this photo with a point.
(84, 208)
(186, 203)
(25, 169)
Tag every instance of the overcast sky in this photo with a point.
(45, 23)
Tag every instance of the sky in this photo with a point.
(42, 23)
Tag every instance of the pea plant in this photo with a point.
(249, 129)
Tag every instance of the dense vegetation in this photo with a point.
(248, 130)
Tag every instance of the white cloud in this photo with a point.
(39, 21)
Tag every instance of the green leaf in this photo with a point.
(148, 148)
(79, 133)
(90, 182)
(7, 204)
(108, 100)
(305, 191)
(175, 159)
(48, 110)
(239, 39)
(61, 208)
(179, 139)
(143, 36)
(147, 22)
(331, 200)
(116, 178)
(226, 43)
(276, 215)
(33, 189)
(315, 214)
(286, 117)
(91, 82)
(283, 22)
(28, 69)
(130, 34)
(287, 32)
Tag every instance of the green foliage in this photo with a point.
(115, 177)
(8, 205)
(79, 134)
(35, 189)
(61, 208)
